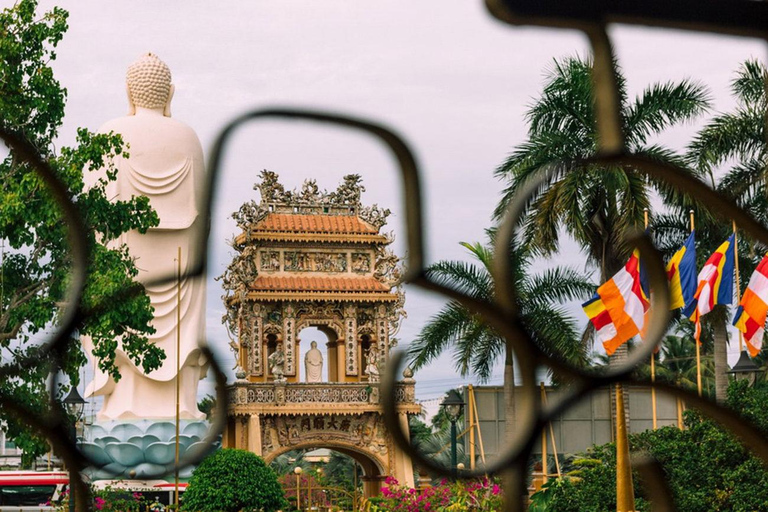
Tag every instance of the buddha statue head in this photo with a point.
(149, 85)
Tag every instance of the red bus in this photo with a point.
(31, 490)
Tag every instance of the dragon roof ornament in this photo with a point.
(345, 200)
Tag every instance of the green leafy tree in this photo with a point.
(233, 480)
(704, 466)
(36, 258)
(476, 345)
(207, 405)
(287, 462)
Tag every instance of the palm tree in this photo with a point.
(476, 346)
(595, 206)
(740, 137)
(676, 361)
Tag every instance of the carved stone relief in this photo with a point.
(289, 341)
(297, 261)
(361, 262)
(382, 331)
(350, 339)
(254, 363)
(363, 430)
(270, 261)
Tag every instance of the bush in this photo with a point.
(482, 495)
(704, 466)
(231, 480)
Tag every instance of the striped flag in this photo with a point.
(715, 282)
(681, 274)
(617, 310)
(750, 317)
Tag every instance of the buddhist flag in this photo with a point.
(715, 282)
(750, 317)
(681, 273)
(617, 310)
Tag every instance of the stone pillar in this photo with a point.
(372, 485)
(350, 337)
(340, 360)
(403, 470)
(241, 432)
(332, 361)
(228, 439)
(254, 434)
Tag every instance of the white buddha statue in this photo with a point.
(166, 165)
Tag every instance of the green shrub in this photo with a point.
(705, 467)
(232, 480)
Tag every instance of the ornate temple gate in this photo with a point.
(315, 259)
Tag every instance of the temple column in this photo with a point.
(340, 361)
(372, 485)
(333, 360)
(241, 432)
(254, 434)
(403, 470)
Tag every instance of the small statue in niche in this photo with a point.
(372, 364)
(313, 364)
(276, 362)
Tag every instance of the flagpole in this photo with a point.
(696, 342)
(653, 358)
(738, 286)
(178, 389)
(625, 495)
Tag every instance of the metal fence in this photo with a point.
(589, 16)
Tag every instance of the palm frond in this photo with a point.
(663, 105)
(739, 134)
(463, 277)
(749, 84)
(441, 331)
(557, 285)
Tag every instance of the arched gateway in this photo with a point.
(311, 258)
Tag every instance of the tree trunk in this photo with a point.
(509, 398)
(515, 493)
(720, 351)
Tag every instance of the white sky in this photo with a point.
(449, 78)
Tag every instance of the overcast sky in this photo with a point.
(449, 78)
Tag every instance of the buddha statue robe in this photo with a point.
(166, 165)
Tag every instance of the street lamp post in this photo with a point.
(745, 368)
(74, 405)
(297, 470)
(452, 406)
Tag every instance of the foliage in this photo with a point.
(231, 480)
(460, 496)
(476, 345)
(705, 467)
(108, 500)
(595, 205)
(310, 482)
(207, 405)
(36, 259)
(340, 472)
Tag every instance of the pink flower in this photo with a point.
(390, 480)
(496, 490)
(99, 503)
